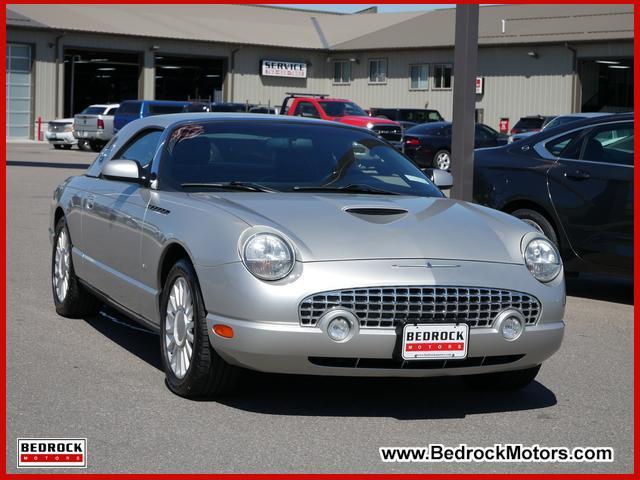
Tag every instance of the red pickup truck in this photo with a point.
(313, 105)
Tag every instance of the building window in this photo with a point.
(341, 71)
(442, 75)
(419, 75)
(378, 70)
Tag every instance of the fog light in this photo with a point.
(511, 328)
(338, 329)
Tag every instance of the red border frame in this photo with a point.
(337, 476)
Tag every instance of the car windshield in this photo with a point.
(286, 157)
(93, 111)
(341, 109)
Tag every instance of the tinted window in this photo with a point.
(556, 122)
(112, 111)
(142, 148)
(155, 109)
(93, 111)
(529, 123)
(563, 146)
(340, 109)
(484, 133)
(129, 108)
(282, 156)
(610, 144)
(306, 109)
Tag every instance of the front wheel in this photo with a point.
(442, 160)
(69, 296)
(510, 380)
(193, 369)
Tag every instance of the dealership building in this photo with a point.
(532, 59)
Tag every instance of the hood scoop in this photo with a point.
(379, 215)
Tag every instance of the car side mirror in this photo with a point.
(123, 170)
(441, 178)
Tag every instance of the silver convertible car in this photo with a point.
(299, 246)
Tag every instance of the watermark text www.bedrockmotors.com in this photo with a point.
(509, 452)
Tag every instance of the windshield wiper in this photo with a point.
(351, 188)
(244, 186)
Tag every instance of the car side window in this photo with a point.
(306, 109)
(482, 134)
(111, 111)
(141, 149)
(609, 144)
(566, 146)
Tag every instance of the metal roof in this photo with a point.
(286, 27)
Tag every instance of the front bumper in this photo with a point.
(268, 336)
(60, 138)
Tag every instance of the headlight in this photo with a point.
(542, 259)
(268, 257)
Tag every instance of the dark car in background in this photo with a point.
(574, 183)
(429, 144)
(533, 123)
(412, 115)
(131, 110)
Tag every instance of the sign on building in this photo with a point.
(479, 85)
(277, 68)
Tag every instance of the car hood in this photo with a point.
(348, 226)
(363, 121)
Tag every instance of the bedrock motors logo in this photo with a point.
(52, 452)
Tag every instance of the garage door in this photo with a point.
(18, 90)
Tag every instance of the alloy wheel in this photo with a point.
(179, 327)
(61, 266)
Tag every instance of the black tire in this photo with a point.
(538, 221)
(435, 159)
(95, 146)
(208, 375)
(57, 147)
(84, 145)
(78, 301)
(510, 380)
(67, 147)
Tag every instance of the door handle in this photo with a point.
(90, 202)
(577, 175)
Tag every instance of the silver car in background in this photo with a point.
(300, 246)
(93, 127)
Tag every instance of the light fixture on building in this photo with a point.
(213, 76)
(99, 60)
(533, 54)
(608, 62)
(106, 69)
(154, 48)
(354, 60)
(621, 67)
(170, 67)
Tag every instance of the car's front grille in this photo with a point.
(390, 133)
(57, 127)
(384, 307)
(391, 363)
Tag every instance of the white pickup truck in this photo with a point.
(93, 127)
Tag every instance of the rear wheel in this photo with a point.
(442, 160)
(537, 221)
(193, 369)
(84, 145)
(511, 380)
(95, 146)
(69, 296)
(67, 147)
(57, 147)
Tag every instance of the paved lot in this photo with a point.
(100, 378)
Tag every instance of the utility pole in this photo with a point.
(464, 100)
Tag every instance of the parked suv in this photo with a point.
(93, 127)
(60, 133)
(533, 123)
(343, 111)
(408, 117)
(131, 110)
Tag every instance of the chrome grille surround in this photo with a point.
(384, 307)
(391, 133)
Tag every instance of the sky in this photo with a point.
(392, 7)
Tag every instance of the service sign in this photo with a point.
(479, 85)
(277, 68)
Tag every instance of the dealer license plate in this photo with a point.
(429, 341)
